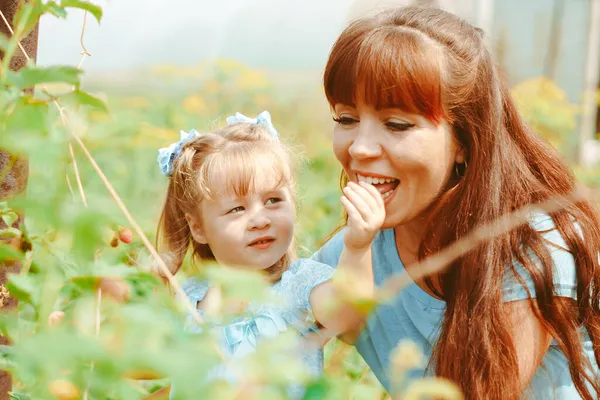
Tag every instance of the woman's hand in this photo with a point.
(366, 213)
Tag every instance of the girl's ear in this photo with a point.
(195, 228)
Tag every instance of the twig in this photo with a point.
(438, 262)
(97, 325)
(161, 264)
(77, 177)
(69, 184)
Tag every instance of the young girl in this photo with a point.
(231, 200)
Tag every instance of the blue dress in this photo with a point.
(415, 315)
(240, 337)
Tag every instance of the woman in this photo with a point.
(421, 111)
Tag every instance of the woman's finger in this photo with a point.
(357, 201)
(365, 194)
(350, 209)
(375, 195)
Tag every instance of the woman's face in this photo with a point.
(407, 157)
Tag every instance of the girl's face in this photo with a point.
(406, 156)
(251, 232)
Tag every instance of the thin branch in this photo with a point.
(438, 262)
(161, 264)
(97, 326)
(77, 176)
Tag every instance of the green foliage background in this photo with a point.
(104, 345)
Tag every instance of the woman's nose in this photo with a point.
(365, 145)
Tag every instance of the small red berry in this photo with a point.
(125, 235)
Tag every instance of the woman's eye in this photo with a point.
(274, 200)
(346, 121)
(398, 126)
(235, 210)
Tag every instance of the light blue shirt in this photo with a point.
(417, 316)
(240, 337)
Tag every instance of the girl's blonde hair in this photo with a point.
(239, 153)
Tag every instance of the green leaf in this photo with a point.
(9, 233)
(3, 41)
(9, 218)
(56, 10)
(31, 76)
(18, 396)
(317, 390)
(26, 18)
(8, 253)
(82, 98)
(88, 233)
(93, 9)
(27, 116)
(24, 288)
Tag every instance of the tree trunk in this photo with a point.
(18, 168)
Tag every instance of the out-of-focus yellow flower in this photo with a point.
(406, 356)
(97, 116)
(211, 86)
(153, 136)
(194, 104)
(261, 100)
(251, 80)
(547, 109)
(178, 71)
(229, 65)
(136, 102)
(63, 390)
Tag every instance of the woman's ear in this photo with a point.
(195, 228)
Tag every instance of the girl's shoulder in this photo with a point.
(195, 289)
(295, 287)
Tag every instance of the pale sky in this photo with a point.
(135, 33)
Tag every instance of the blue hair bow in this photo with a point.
(264, 118)
(167, 155)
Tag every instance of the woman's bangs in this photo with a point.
(389, 67)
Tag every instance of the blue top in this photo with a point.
(416, 315)
(240, 337)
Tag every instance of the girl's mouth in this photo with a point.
(262, 243)
(384, 185)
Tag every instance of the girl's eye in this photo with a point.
(235, 210)
(398, 126)
(345, 121)
(274, 200)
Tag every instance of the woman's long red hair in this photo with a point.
(431, 62)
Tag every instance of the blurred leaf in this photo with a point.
(8, 253)
(26, 18)
(3, 41)
(56, 10)
(93, 9)
(31, 76)
(28, 116)
(10, 218)
(85, 99)
(18, 396)
(10, 233)
(317, 390)
(88, 231)
(24, 288)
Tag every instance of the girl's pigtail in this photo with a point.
(174, 235)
